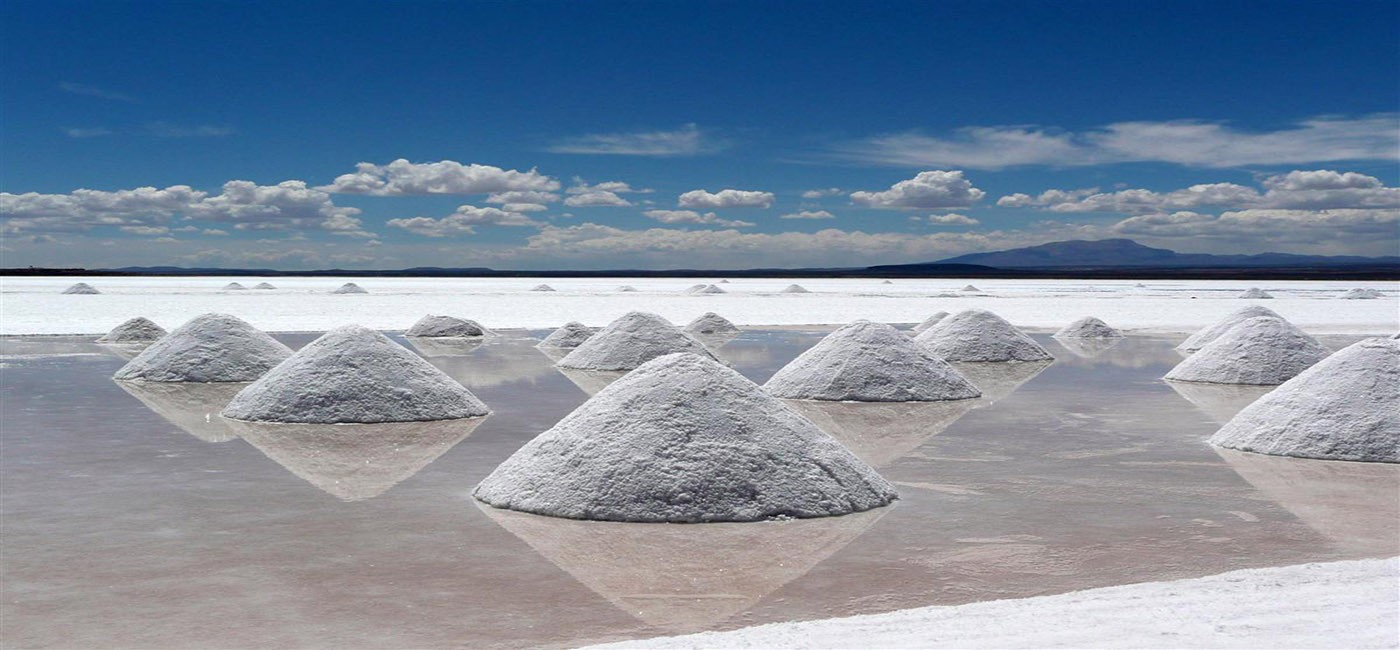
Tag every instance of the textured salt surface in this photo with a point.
(1346, 407)
(1199, 339)
(869, 362)
(1088, 328)
(711, 323)
(234, 286)
(350, 287)
(542, 287)
(684, 439)
(979, 335)
(930, 321)
(794, 288)
(264, 285)
(1260, 351)
(433, 326)
(1361, 294)
(209, 348)
(571, 335)
(701, 289)
(81, 288)
(630, 341)
(353, 374)
(1255, 293)
(136, 330)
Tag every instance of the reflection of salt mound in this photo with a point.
(209, 348)
(980, 335)
(81, 288)
(970, 288)
(1347, 407)
(701, 289)
(264, 285)
(433, 326)
(880, 433)
(684, 439)
(350, 287)
(1260, 351)
(711, 323)
(1088, 348)
(794, 288)
(1088, 328)
(1199, 339)
(999, 380)
(630, 341)
(353, 374)
(571, 335)
(931, 321)
(626, 287)
(445, 346)
(592, 381)
(355, 462)
(194, 408)
(542, 287)
(869, 362)
(685, 578)
(1255, 293)
(136, 330)
(1220, 402)
(234, 286)
(1361, 294)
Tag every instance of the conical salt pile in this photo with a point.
(794, 288)
(711, 323)
(542, 287)
(433, 326)
(931, 321)
(626, 287)
(136, 330)
(700, 289)
(571, 335)
(693, 288)
(1255, 293)
(723, 282)
(969, 288)
(1088, 328)
(630, 341)
(980, 335)
(887, 282)
(209, 348)
(869, 362)
(350, 287)
(1361, 294)
(234, 286)
(81, 288)
(1261, 351)
(264, 285)
(353, 374)
(1199, 339)
(684, 439)
(1347, 407)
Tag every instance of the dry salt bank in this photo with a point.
(704, 289)
(350, 287)
(977, 335)
(542, 287)
(434, 326)
(571, 335)
(1260, 351)
(683, 439)
(970, 289)
(234, 286)
(81, 289)
(1210, 333)
(209, 348)
(794, 288)
(712, 324)
(1088, 328)
(1346, 407)
(869, 362)
(930, 321)
(136, 330)
(1255, 293)
(630, 341)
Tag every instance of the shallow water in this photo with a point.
(140, 520)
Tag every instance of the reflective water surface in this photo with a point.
(135, 517)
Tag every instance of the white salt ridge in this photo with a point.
(684, 439)
(1346, 407)
(1088, 328)
(434, 326)
(350, 287)
(209, 348)
(571, 335)
(234, 286)
(1361, 294)
(970, 288)
(542, 287)
(1255, 293)
(1199, 339)
(136, 330)
(1261, 351)
(81, 288)
(794, 288)
(701, 289)
(869, 362)
(711, 323)
(630, 341)
(264, 285)
(931, 321)
(353, 374)
(980, 335)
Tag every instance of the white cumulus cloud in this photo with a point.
(951, 219)
(930, 189)
(462, 222)
(691, 216)
(403, 178)
(702, 199)
(809, 214)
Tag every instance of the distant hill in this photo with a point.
(1120, 253)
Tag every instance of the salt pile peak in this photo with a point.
(979, 335)
(1346, 407)
(969, 288)
(711, 323)
(136, 330)
(684, 439)
(701, 289)
(234, 286)
(1088, 328)
(931, 321)
(1199, 339)
(264, 285)
(1255, 293)
(209, 348)
(350, 287)
(630, 341)
(353, 374)
(869, 362)
(81, 288)
(794, 288)
(1261, 351)
(1361, 294)
(434, 326)
(542, 287)
(571, 335)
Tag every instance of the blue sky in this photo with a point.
(604, 134)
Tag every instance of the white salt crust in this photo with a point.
(1261, 351)
(1206, 335)
(350, 287)
(81, 288)
(209, 348)
(930, 321)
(794, 288)
(234, 286)
(571, 335)
(434, 326)
(980, 335)
(630, 341)
(1255, 293)
(711, 323)
(869, 362)
(684, 439)
(1088, 328)
(136, 330)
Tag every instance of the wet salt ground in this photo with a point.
(123, 529)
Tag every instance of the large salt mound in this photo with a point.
(234, 286)
(795, 288)
(702, 289)
(1199, 339)
(711, 323)
(209, 348)
(571, 335)
(542, 287)
(630, 341)
(1346, 407)
(1255, 293)
(81, 288)
(1261, 351)
(980, 335)
(1361, 294)
(263, 285)
(1088, 328)
(869, 362)
(353, 374)
(350, 287)
(136, 330)
(433, 326)
(684, 439)
(930, 321)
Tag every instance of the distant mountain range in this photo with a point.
(1117, 253)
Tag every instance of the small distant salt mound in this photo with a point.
(869, 362)
(81, 288)
(234, 286)
(1088, 328)
(969, 288)
(693, 288)
(209, 348)
(794, 288)
(264, 285)
(571, 335)
(350, 287)
(723, 282)
(931, 321)
(1255, 293)
(1261, 351)
(136, 330)
(684, 439)
(704, 289)
(542, 287)
(353, 374)
(630, 341)
(1347, 407)
(433, 326)
(887, 282)
(711, 323)
(1361, 294)
(979, 335)
(1139, 286)
(1199, 339)
(626, 287)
